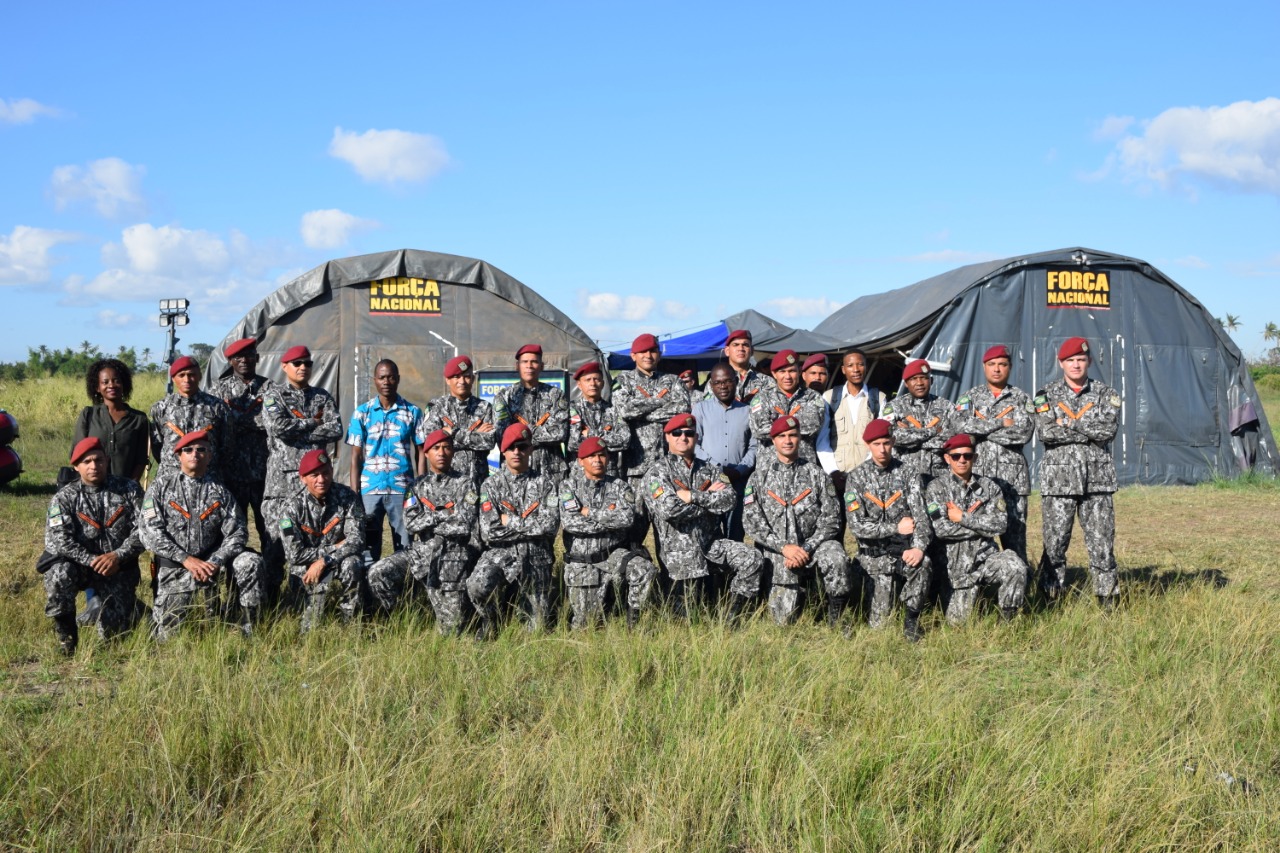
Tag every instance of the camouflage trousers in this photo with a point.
(273, 548)
(118, 593)
(249, 496)
(1098, 521)
(640, 521)
(625, 578)
(789, 590)
(887, 575)
(1014, 537)
(348, 576)
(176, 591)
(1005, 570)
(519, 573)
(742, 564)
(441, 570)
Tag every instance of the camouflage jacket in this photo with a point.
(646, 403)
(86, 521)
(1076, 430)
(192, 517)
(981, 414)
(247, 455)
(919, 428)
(749, 385)
(686, 530)
(174, 416)
(330, 530)
(876, 499)
(443, 506)
(790, 504)
(529, 502)
(545, 412)
(610, 510)
(805, 406)
(601, 420)
(297, 420)
(462, 420)
(962, 545)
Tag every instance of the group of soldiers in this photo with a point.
(934, 492)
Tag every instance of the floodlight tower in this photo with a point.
(173, 312)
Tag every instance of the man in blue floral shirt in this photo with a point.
(383, 442)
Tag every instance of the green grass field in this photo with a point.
(1154, 728)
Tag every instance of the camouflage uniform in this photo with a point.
(196, 517)
(441, 514)
(597, 560)
(688, 534)
(545, 412)
(980, 413)
(600, 419)
(461, 419)
(174, 416)
(876, 499)
(805, 405)
(1078, 475)
(519, 555)
(919, 428)
(331, 530)
(965, 551)
(646, 403)
(84, 522)
(749, 385)
(245, 472)
(796, 504)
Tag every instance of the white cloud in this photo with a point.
(390, 156)
(24, 111)
(329, 229)
(113, 186)
(674, 310)
(1193, 262)
(1236, 147)
(612, 306)
(792, 307)
(949, 256)
(24, 253)
(110, 319)
(167, 251)
(1112, 127)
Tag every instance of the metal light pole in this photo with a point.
(173, 312)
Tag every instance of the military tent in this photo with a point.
(1190, 408)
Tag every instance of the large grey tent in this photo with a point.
(1190, 408)
(418, 308)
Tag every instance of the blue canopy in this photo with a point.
(706, 345)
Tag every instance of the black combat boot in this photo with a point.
(835, 609)
(1107, 603)
(248, 619)
(911, 627)
(487, 623)
(678, 608)
(737, 604)
(1008, 614)
(67, 632)
(633, 617)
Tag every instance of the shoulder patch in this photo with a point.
(724, 478)
(887, 411)
(933, 510)
(286, 523)
(749, 496)
(1115, 400)
(410, 500)
(469, 498)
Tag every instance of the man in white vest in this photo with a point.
(851, 406)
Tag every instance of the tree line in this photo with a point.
(44, 361)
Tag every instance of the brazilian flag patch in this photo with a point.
(934, 510)
(749, 496)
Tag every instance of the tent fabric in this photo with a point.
(1190, 408)
(767, 334)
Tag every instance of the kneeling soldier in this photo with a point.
(792, 513)
(193, 526)
(967, 512)
(440, 513)
(884, 505)
(322, 529)
(91, 540)
(596, 511)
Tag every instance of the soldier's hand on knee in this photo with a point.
(200, 569)
(312, 575)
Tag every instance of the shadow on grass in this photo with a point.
(25, 488)
(1160, 582)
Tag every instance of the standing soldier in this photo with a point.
(242, 391)
(725, 438)
(323, 533)
(1076, 418)
(885, 508)
(468, 420)
(188, 409)
(596, 509)
(920, 420)
(593, 415)
(967, 511)
(788, 398)
(91, 540)
(793, 515)
(192, 525)
(851, 406)
(686, 497)
(298, 418)
(540, 407)
(738, 349)
(440, 512)
(384, 456)
(996, 416)
(519, 515)
(814, 373)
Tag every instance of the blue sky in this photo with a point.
(643, 166)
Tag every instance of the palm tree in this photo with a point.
(1271, 332)
(1231, 323)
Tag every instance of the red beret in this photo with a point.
(298, 353)
(736, 334)
(644, 343)
(239, 347)
(457, 366)
(184, 363)
(590, 445)
(919, 367)
(529, 348)
(312, 461)
(84, 447)
(686, 374)
(517, 433)
(960, 439)
(589, 367)
(997, 351)
(786, 358)
(1073, 346)
(683, 421)
(191, 438)
(816, 358)
(783, 424)
(879, 428)
(435, 438)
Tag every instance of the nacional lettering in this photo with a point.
(1076, 289)
(402, 295)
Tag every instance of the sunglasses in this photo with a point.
(195, 448)
(684, 433)
(301, 362)
(961, 457)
